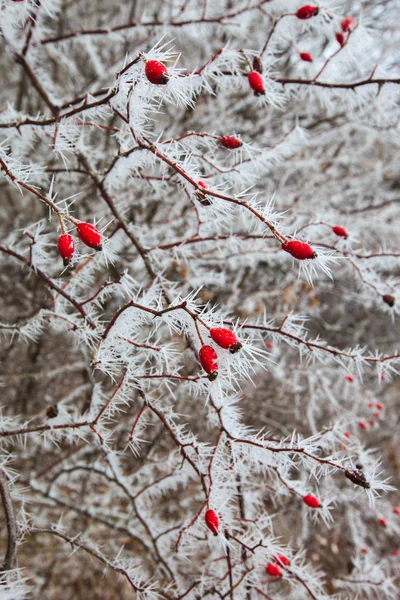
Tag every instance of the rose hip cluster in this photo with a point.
(87, 233)
(224, 338)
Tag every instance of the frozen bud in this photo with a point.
(225, 338)
(306, 56)
(256, 83)
(307, 11)
(257, 65)
(311, 501)
(273, 570)
(212, 521)
(299, 250)
(357, 477)
(156, 72)
(66, 247)
(209, 361)
(348, 24)
(229, 142)
(52, 411)
(340, 231)
(201, 196)
(89, 235)
(389, 299)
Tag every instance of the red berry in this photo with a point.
(395, 552)
(209, 361)
(156, 72)
(311, 501)
(202, 185)
(340, 38)
(226, 339)
(362, 425)
(346, 434)
(372, 422)
(307, 11)
(340, 231)
(364, 550)
(383, 522)
(66, 247)
(396, 511)
(306, 56)
(256, 83)
(377, 414)
(370, 404)
(299, 250)
(270, 345)
(229, 142)
(281, 559)
(348, 24)
(273, 570)
(379, 406)
(89, 235)
(389, 299)
(212, 521)
(350, 378)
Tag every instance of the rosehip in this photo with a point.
(307, 11)
(348, 24)
(395, 552)
(209, 361)
(212, 521)
(379, 406)
(156, 72)
(311, 501)
(396, 511)
(364, 550)
(389, 299)
(306, 56)
(350, 378)
(256, 83)
(281, 559)
(383, 522)
(299, 250)
(340, 38)
(346, 434)
(200, 195)
(229, 142)
(372, 422)
(66, 247)
(89, 235)
(226, 339)
(273, 570)
(340, 231)
(362, 425)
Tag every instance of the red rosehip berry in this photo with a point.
(299, 250)
(396, 511)
(377, 414)
(372, 422)
(201, 196)
(364, 550)
(66, 247)
(340, 231)
(362, 425)
(307, 11)
(89, 235)
(281, 559)
(395, 552)
(340, 38)
(306, 56)
(212, 521)
(346, 434)
(389, 299)
(379, 406)
(156, 72)
(270, 345)
(311, 501)
(256, 83)
(225, 338)
(229, 142)
(350, 378)
(209, 361)
(383, 522)
(273, 570)
(370, 404)
(348, 24)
